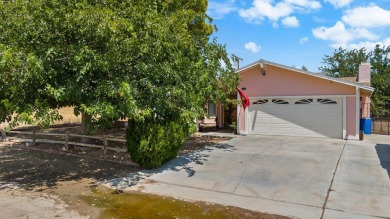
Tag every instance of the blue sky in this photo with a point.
(298, 32)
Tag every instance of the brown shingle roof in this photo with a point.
(350, 79)
(354, 80)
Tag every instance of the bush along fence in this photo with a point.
(68, 140)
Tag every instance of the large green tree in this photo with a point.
(345, 63)
(109, 59)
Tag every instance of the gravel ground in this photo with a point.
(16, 203)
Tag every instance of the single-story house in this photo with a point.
(289, 101)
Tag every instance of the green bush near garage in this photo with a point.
(151, 143)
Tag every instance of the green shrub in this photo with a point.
(152, 143)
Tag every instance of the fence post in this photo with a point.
(66, 141)
(381, 132)
(3, 136)
(34, 137)
(104, 144)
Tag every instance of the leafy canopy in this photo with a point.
(109, 59)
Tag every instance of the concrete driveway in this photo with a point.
(291, 176)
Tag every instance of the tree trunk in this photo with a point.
(85, 118)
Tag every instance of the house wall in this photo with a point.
(365, 107)
(241, 119)
(283, 82)
(351, 117)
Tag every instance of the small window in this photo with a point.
(326, 101)
(211, 109)
(304, 101)
(260, 102)
(278, 101)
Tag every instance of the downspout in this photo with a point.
(238, 116)
(357, 112)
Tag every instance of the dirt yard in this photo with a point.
(48, 183)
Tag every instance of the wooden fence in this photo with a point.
(37, 138)
(381, 126)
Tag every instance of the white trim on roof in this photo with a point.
(262, 61)
(303, 97)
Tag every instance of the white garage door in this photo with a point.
(320, 117)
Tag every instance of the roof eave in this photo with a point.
(371, 89)
(246, 67)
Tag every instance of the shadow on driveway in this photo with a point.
(179, 163)
(383, 151)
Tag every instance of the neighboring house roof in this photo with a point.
(355, 80)
(262, 62)
(350, 79)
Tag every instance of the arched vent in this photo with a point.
(304, 101)
(326, 101)
(278, 101)
(261, 101)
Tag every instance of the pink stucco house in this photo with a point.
(289, 101)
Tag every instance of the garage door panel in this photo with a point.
(313, 119)
(328, 113)
(282, 130)
(278, 121)
(262, 121)
(263, 129)
(324, 123)
(304, 132)
(260, 116)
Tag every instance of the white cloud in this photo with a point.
(386, 42)
(218, 10)
(337, 33)
(290, 22)
(340, 36)
(319, 20)
(267, 9)
(264, 9)
(369, 45)
(357, 28)
(339, 3)
(364, 33)
(304, 40)
(251, 46)
(371, 16)
(305, 3)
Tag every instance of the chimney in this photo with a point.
(364, 73)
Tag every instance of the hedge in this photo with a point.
(151, 143)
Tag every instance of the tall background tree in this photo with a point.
(150, 61)
(345, 63)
